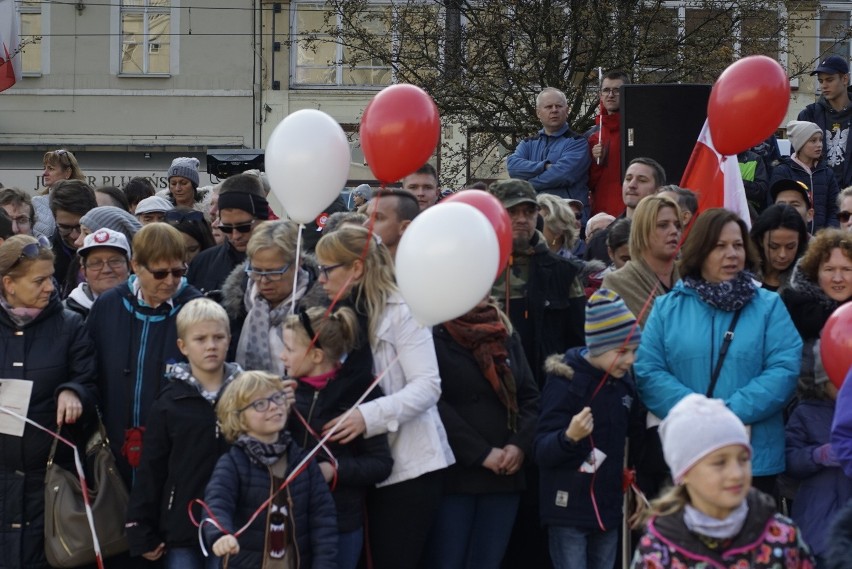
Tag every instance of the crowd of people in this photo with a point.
(291, 390)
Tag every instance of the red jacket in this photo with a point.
(605, 178)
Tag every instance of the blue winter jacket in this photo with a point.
(824, 489)
(565, 493)
(568, 155)
(824, 190)
(679, 349)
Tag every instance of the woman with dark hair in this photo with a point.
(780, 237)
(719, 335)
(194, 227)
(44, 346)
(112, 196)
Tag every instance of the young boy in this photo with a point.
(588, 406)
(182, 442)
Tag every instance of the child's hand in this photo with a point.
(156, 553)
(289, 388)
(226, 545)
(493, 461)
(581, 425)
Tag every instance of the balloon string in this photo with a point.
(298, 264)
(81, 475)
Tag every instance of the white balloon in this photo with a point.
(307, 162)
(446, 261)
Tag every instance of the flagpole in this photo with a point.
(600, 113)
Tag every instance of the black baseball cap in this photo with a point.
(833, 64)
(785, 184)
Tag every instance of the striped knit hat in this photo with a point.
(608, 323)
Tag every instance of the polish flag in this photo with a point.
(10, 62)
(715, 178)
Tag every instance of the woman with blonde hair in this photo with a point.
(58, 165)
(354, 268)
(560, 225)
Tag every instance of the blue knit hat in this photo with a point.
(186, 167)
(609, 323)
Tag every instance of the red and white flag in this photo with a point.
(715, 178)
(10, 58)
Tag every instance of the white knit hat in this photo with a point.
(798, 132)
(694, 428)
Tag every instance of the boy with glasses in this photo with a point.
(69, 201)
(605, 148)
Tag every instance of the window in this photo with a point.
(833, 28)
(29, 12)
(145, 37)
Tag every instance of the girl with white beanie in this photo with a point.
(713, 517)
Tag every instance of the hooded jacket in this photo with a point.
(565, 492)
(825, 118)
(680, 347)
(823, 187)
(767, 540)
(181, 446)
(605, 178)
(135, 343)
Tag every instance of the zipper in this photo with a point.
(171, 499)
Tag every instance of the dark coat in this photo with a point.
(823, 489)
(135, 345)
(823, 186)
(55, 353)
(363, 463)
(565, 492)
(181, 446)
(209, 269)
(825, 117)
(475, 419)
(239, 486)
(840, 541)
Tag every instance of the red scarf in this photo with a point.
(319, 382)
(482, 332)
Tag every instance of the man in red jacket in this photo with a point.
(605, 146)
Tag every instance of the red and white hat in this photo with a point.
(104, 238)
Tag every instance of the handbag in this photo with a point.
(67, 536)
(723, 351)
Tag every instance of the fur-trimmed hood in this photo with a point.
(555, 364)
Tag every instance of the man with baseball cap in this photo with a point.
(795, 194)
(539, 290)
(105, 262)
(832, 112)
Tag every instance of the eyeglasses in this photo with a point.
(324, 270)
(115, 263)
(242, 227)
(610, 91)
(31, 250)
(22, 221)
(161, 274)
(844, 216)
(181, 216)
(262, 405)
(66, 230)
(271, 276)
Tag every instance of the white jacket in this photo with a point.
(408, 411)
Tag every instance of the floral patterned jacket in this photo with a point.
(768, 540)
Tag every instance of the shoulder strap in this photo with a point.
(726, 342)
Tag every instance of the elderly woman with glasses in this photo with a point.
(45, 351)
(259, 294)
(133, 326)
(59, 165)
(105, 261)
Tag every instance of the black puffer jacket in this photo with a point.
(182, 444)
(363, 463)
(476, 420)
(135, 345)
(55, 353)
(209, 269)
(239, 486)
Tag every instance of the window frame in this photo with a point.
(119, 9)
(42, 9)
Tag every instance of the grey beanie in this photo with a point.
(695, 427)
(365, 191)
(186, 167)
(114, 218)
(798, 132)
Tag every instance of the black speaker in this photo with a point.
(224, 162)
(662, 122)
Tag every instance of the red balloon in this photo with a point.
(493, 209)
(747, 104)
(399, 131)
(835, 344)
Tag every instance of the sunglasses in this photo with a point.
(262, 405)
(31, 250)
(181, 216)
(844, 216)
(242, 228)
(160, 275)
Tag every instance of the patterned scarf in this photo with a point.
(483, 334)
(264, 453)
(20, 316)
(728, 296)
(260, 340)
